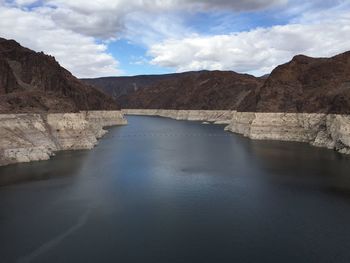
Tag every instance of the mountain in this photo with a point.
(35, 82)
(121, 87)
(305, 84)
(189, 90)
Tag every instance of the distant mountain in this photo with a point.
(121, 87)
(192, 90)
(35, 82)
(265, 76)
(204, 90)
(305, 84)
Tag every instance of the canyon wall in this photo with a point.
(33, 137)
(217, 116)
(322, 130)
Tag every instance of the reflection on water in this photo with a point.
(43, 170)
(160, 190)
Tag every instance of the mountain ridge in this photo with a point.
(302, 85)
(34, 82)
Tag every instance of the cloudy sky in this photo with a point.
(130, 37)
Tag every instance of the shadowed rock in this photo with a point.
(305, 85)
(204, 90)
(35, 82)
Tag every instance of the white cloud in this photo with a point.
(107, 18)
(148, 29)
(103, 5)
(78, 53)
(257, 51)
(242, 5)
(25, 2)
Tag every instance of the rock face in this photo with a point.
(44, 108)
(120, 88)
(305, 85)
(8, 81)
(207, 90)
(216, 116)
(216, 90)
(33, 137)
(34, 82)
(323, 130)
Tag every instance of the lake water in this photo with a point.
(167, 191)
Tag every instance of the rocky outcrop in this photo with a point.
(32, 82)
(322, 130)
(8, 81)
(216, 116)
(305, 85)
(44, 108)
(200, 90)
(205, 90)
(120, 88)
(33, 137)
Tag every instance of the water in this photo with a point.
(167, 191)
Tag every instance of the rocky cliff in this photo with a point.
(44, 108)
(305, 85)
(215, 116)
(120, 88)
(202, 90)
(33, 137)
(206, 90)
(35, 82)
(331, 131)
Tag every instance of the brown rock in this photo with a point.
(120, 88)
(204, 90)
(305, 84)
(35, 82)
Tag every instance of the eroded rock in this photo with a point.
(34, 137)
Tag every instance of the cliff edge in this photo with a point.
(32, 82)
(305, 85)
(44, 108)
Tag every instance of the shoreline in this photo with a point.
(35, 137)
(330, 131)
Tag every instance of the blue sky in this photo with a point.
(131, 37)
(133, 59)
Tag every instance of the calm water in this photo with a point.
(165, 191)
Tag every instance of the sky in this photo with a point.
(132, 37)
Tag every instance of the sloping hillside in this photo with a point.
(35, 82)
(305, 84)
(194, 90)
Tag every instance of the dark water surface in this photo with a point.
(165, 191)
